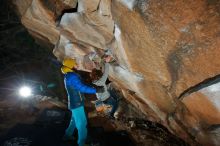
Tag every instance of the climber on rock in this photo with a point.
(75, 89)
(104, 98)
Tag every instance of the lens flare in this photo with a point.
(25, 91)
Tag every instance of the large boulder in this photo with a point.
(91, 29)
(173, 46)
(66, 48)
(164, 51)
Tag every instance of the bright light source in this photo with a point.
(25, 91)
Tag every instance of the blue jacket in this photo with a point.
(75, 88)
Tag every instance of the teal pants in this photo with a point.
(79, 121)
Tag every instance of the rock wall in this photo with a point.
(166, 52)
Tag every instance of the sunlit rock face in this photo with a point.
(164, 49)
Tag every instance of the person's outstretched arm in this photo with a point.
(79, 85)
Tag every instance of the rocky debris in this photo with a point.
(162, 49)
(48, 125)
(142, 131)
(26, 110)
(18, 140)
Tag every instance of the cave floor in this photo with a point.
(45, 126)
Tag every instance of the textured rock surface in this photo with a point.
(40, 21)
(163, 49)
(88, 28)
(205, 104)
(22, 6)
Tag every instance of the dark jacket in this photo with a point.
(75, 88)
